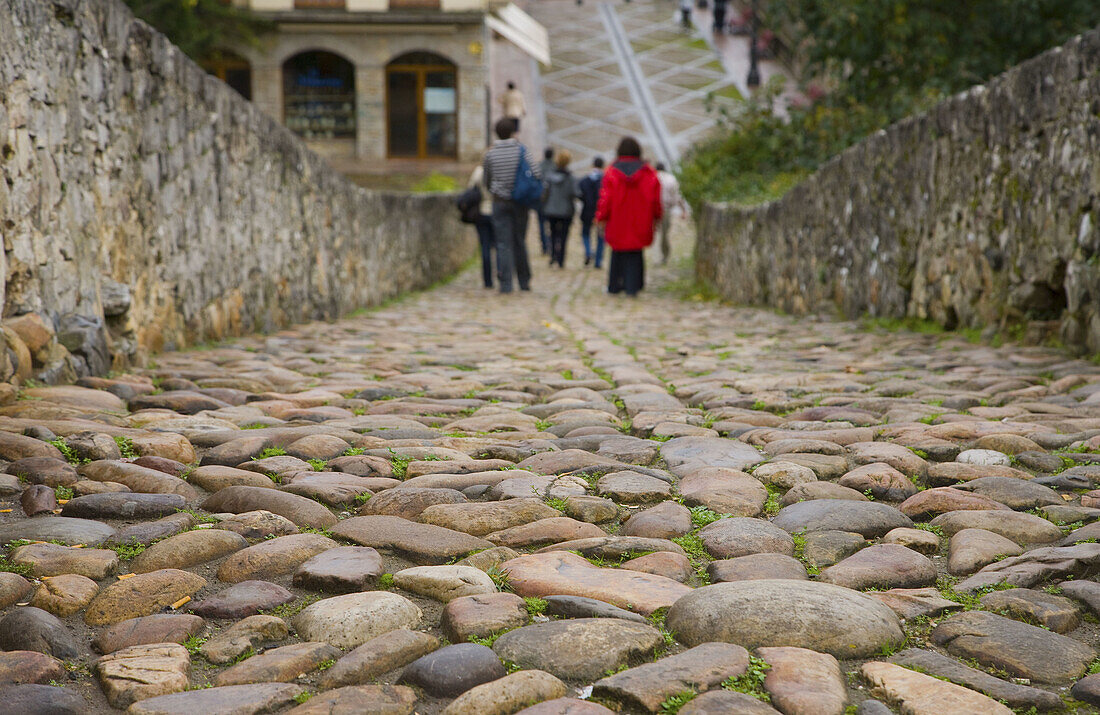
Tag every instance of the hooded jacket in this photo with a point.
(561, 189)
(630, 201)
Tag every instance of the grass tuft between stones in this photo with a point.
(751, 682)
(270, 452)
(126, 447)
(673, 703)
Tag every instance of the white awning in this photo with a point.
(523, 31)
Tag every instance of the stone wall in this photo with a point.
(145, 206)
(982, 213)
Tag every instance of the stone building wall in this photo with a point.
(369, 48)
(982, 213)
(145, 206)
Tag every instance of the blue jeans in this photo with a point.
(509, 234)
(485, 238)
(586, 239)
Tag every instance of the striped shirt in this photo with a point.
(500, 164)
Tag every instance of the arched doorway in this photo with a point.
(319, 96)
(422, 106)
(232, 69)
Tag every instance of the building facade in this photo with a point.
(372, 79)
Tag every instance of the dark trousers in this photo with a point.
(719, 16)
(586, 239)
(485, 238)
(627, 272)
(559, 231)
(509, 233)
(544, 231)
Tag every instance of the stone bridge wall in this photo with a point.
(145, 206)
(983, 212)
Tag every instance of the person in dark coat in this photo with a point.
(561, 190)
(545, 167)
(484, 224)
(630, 205)
(589, 188)
(720, 16)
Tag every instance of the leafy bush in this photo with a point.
(882, 60)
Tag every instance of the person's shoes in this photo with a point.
(587, 260)
(488, 286)
(525, 288)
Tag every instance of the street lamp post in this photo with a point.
(753, 80)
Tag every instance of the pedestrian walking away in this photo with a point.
(719, 16)
(629, 206)
(501, 162)
(559, 208)
(589, 188)
(484, 224)
(512, 105)
(670, 199)
(545, 167)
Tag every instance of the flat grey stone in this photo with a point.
(806, 614)
(565, 648)
(870, 519)
(65, 529)
(124, 506)
(30, 628)
(251, 698)
(454, 669)
(1017, 696)
(1023, 650)
(582, 607)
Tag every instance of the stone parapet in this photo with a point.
(983, 212)
(145, 206)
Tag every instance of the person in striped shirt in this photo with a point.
(509, 218)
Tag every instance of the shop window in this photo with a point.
(414, 4)
(319, 4)
(422, 106)
(319, 96)
(234, 70)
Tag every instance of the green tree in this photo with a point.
(203, 29)
(894, 53)
(882, 60)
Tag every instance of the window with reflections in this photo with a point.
(422, 106)
(232, 69)
(319, 96)
(320, 4)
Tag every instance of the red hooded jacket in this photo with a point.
(630, 201)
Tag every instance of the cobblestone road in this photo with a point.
(548, 482)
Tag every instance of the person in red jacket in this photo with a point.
(629, 206)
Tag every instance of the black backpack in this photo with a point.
(469, 205)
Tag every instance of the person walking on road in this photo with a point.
(509, 218)
(512, 105)
(719, 16)
(589, 188)
(560, 193)
(670, 199)
(484, 224)
(545, 168)
(630, 205)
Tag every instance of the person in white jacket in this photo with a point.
(484, 224)
(670, 199)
